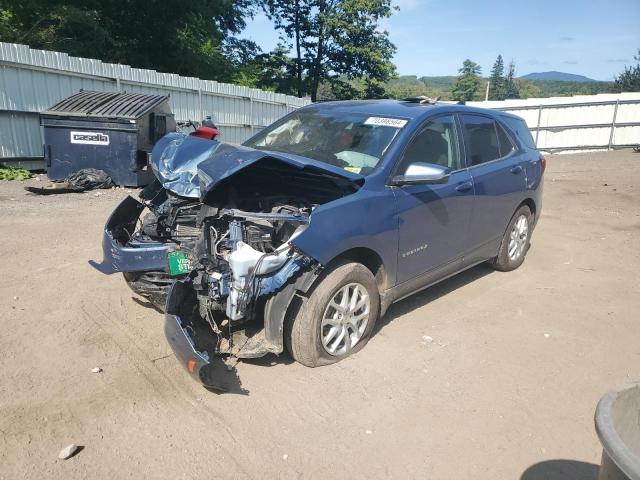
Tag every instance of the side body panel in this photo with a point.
(499, 187)
(433, 224)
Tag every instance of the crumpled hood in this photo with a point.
(191, 167)
(228, 159)
(175, 159)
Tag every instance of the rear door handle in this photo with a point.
(463, 187)
(517, 169)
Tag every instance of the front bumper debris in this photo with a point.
(184, 349)
(207, 368)
(120, 253)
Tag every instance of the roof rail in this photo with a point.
(421, 100)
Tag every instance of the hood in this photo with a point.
(174, 161)
(228, 160)
(191, 167)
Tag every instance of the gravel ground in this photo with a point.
(506, 388)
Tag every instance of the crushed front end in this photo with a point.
(247, 272)
(244, 260)
(140, 234)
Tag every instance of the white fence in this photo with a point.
(582, 122)
(33, 80)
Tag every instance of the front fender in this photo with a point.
(366, 219)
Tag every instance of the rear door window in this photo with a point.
(482, 139)
(519, 127)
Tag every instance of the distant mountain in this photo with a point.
(557, 77)
(442, 86)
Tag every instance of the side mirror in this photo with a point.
(420, 173)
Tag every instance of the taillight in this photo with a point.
(543, 163)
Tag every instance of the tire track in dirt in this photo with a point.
(164, 387)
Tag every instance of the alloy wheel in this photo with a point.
(345, 319)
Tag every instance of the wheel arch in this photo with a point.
(370, 259)
(529, 202)
(280, 307)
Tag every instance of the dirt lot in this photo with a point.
(506, 389)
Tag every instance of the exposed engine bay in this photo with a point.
(237, 248)
(220, 240)
(237, 254)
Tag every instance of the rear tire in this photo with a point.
(515, 242)
(337, 318)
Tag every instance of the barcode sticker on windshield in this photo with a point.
(386, 122)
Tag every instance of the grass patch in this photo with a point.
(14, 173)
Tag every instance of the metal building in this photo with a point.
(32, 80)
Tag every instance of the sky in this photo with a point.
(594, 38)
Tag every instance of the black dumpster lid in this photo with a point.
(106, 104)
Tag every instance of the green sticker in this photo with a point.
(179, 264)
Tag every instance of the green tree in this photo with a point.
(510, 87)
(188, 38)
(293, 19)
(629, 79)
(406, 86)
(336, 41)
(527, 89)
(274, 71)
(468, 81)
(496, 80)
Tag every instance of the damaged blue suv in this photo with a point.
(303, 236)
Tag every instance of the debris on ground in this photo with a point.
(68, 451)
(81, 181)
(14, 173)
(547, 335)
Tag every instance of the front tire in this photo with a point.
(337, 318)
(515, 242)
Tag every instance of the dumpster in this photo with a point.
(618, 426)
(109, 131)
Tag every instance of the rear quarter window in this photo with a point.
(519, 127)
(506, 146)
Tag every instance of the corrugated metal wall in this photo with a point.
(33, 80)
(578, 123)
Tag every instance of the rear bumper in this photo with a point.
(122, 255)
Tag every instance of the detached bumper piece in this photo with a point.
(121, 254)
(184, 349)
(210, 370)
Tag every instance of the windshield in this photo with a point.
(353, 141)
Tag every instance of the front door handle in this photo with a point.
(463, 187)
(517, 169)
